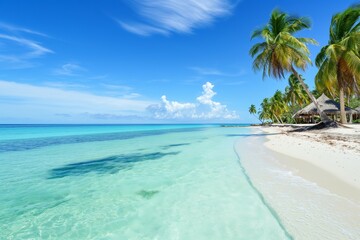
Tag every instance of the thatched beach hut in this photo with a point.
(332, 108)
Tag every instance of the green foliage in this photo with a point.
(354, 102)
(265, 113)
(281, 50)
(317, 119)
(295, 93)
(274, 108)
(339, 61)
(356, 121)
(281, 106)
(252, 109)
(317, 93)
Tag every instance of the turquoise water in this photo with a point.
(128, 182)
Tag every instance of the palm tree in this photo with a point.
(317, 93)
(281, 52)
(265, 113)
(278, 106)
(295, 93)
(339, 61)
(252, 110)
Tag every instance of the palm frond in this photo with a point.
(321, 57)
(256, 33)
(298, 24)
(257, 48)
(308, 41)
(280, 50)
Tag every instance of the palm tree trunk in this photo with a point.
(324, 118)
(276, 118)
(292, 112)
(257, 117)
(356, 87)
(342, 106)
(340, 81)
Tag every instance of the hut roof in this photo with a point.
(328, 105)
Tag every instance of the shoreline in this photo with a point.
(329, 158)
(312, 202)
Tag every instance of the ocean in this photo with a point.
(129, 182)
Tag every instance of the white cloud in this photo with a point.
(20, 49)
(121, 88)
(33, 49)
(166, 16)
(172, 110)
(21, 101)
(17, 29)
(203, 109)
(132, 95)
(120, 91)
(65, 85)
(141, 29)
(69, 69)
(208, 94)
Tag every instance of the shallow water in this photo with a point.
(108, 182)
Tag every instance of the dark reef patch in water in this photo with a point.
(147, 194)
(252, 135)
(174, 145)
(108, 165)
(27, 144)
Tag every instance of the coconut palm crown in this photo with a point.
(339, 61)
(295, 93)
(252, 109)
(281, 52)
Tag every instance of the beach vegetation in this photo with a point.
(354, 102)
(339, 61)
(253, 111)
(295, 94)
(281, 106)
(281, 52)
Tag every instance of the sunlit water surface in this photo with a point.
(128, 182)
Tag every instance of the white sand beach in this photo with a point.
(331, 157)
(310, 179)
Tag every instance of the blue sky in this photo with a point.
(135, 61)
